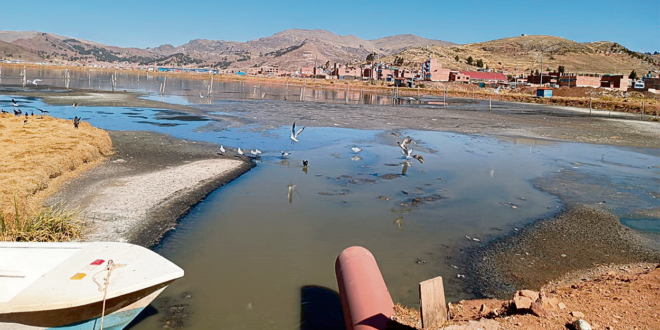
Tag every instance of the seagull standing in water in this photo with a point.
(292, 188)
(294, 134)
(34, 82)
(285, 154)
(356, 149)
(200, 95)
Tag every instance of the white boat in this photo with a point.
(63, 286)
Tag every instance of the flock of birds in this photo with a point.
(18, 112)
(405, 146)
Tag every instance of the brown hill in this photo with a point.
(14, 52)
(523, 54)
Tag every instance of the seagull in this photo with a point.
(31, 113)
(419, 157)
(3, 111)
(200, 95)
(34, 82)
(17, 112)
(222, 150)
(356, 149)
(403, 145)
(255, 152)
(285, 154)
(407, 152)
(76, 121)
(294, 134)
(356, 158)
(305, 163)
(497, 91)
(25, 121)
(240, 152)
(75, 104)
(14, 102)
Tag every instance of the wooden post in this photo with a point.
(642, 110)
(490, 103)
(589, 107)
(444, 97)
(473, 91)
(432, 305)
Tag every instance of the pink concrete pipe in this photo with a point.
(364, 296)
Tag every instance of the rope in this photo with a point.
(104, 288)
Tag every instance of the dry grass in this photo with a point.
(35, 159)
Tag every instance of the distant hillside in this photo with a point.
(14, 52)
(523, 54)
(290, 49)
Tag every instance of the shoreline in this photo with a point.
(151, 181)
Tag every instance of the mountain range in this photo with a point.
(291, 49)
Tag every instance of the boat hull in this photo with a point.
(120, 311)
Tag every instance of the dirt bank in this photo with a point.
(147, 185)
(578, 239)
(609, 297)
(92, 98)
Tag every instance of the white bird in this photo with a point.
(407, 152)
(75, 104)
(292, 188)
(356, 149)
(285, 154)
(240, 152)
(356, 158)
(497, 91)
(294, 134)
(255, 152)
(200, 95)
(14, 102)
(34, 82)
(222, 149)
(404, 145)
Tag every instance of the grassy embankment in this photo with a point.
(35, 158)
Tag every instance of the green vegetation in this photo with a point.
(470, 60)
(561, 69)
(633, 75)
(480, 63)
(371, 57)
(53, 224)
(457, 58)
(283, 51)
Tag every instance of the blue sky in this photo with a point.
(137, 23)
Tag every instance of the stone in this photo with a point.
(581, 325)
(484, 310)
(577, 314)
(529, 294)
(522, 303)
(549, 303)
(538, 310)
(561, 306)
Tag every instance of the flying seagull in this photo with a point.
(404, 146)
(200, 95)
(294, 134)
(285, 154)
(34, 82)
(17, 112)
(14, 102)
(76, 121)
(419, 157)
(43, 111)
(356, 149)
(75, 104)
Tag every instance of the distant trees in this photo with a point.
(457, 58)
(371, 57)
(561, 69)
(480, 63)
(633, 75)
(470, 60)
(398, 61)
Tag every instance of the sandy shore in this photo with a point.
(150, 182)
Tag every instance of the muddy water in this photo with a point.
(260, 251)
(185, 91)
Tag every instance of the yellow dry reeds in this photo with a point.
(34, 159)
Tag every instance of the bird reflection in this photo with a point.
(292, 188)
(405, 166)
(304, 169)
(356, 158)
(285, 162)
(492, 173)
(399, 223)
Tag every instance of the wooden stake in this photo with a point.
(589, 107)
(432, 305)
(490, 103)
(642, 110)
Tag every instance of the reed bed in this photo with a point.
(35, 158)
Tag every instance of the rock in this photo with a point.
(549, 303)
(577, 314)
(581, 325)
(561, 306)
(533, 295)
(522, 303)
(476, 325)
(385, 198)
(538, 310)
(484, 310)
(186, 295)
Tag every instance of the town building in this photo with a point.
(346, 72)
(456, 76)
(616, 82)
(485, 77)
(576, 80)
(432, 71)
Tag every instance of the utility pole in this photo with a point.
(541, 67)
